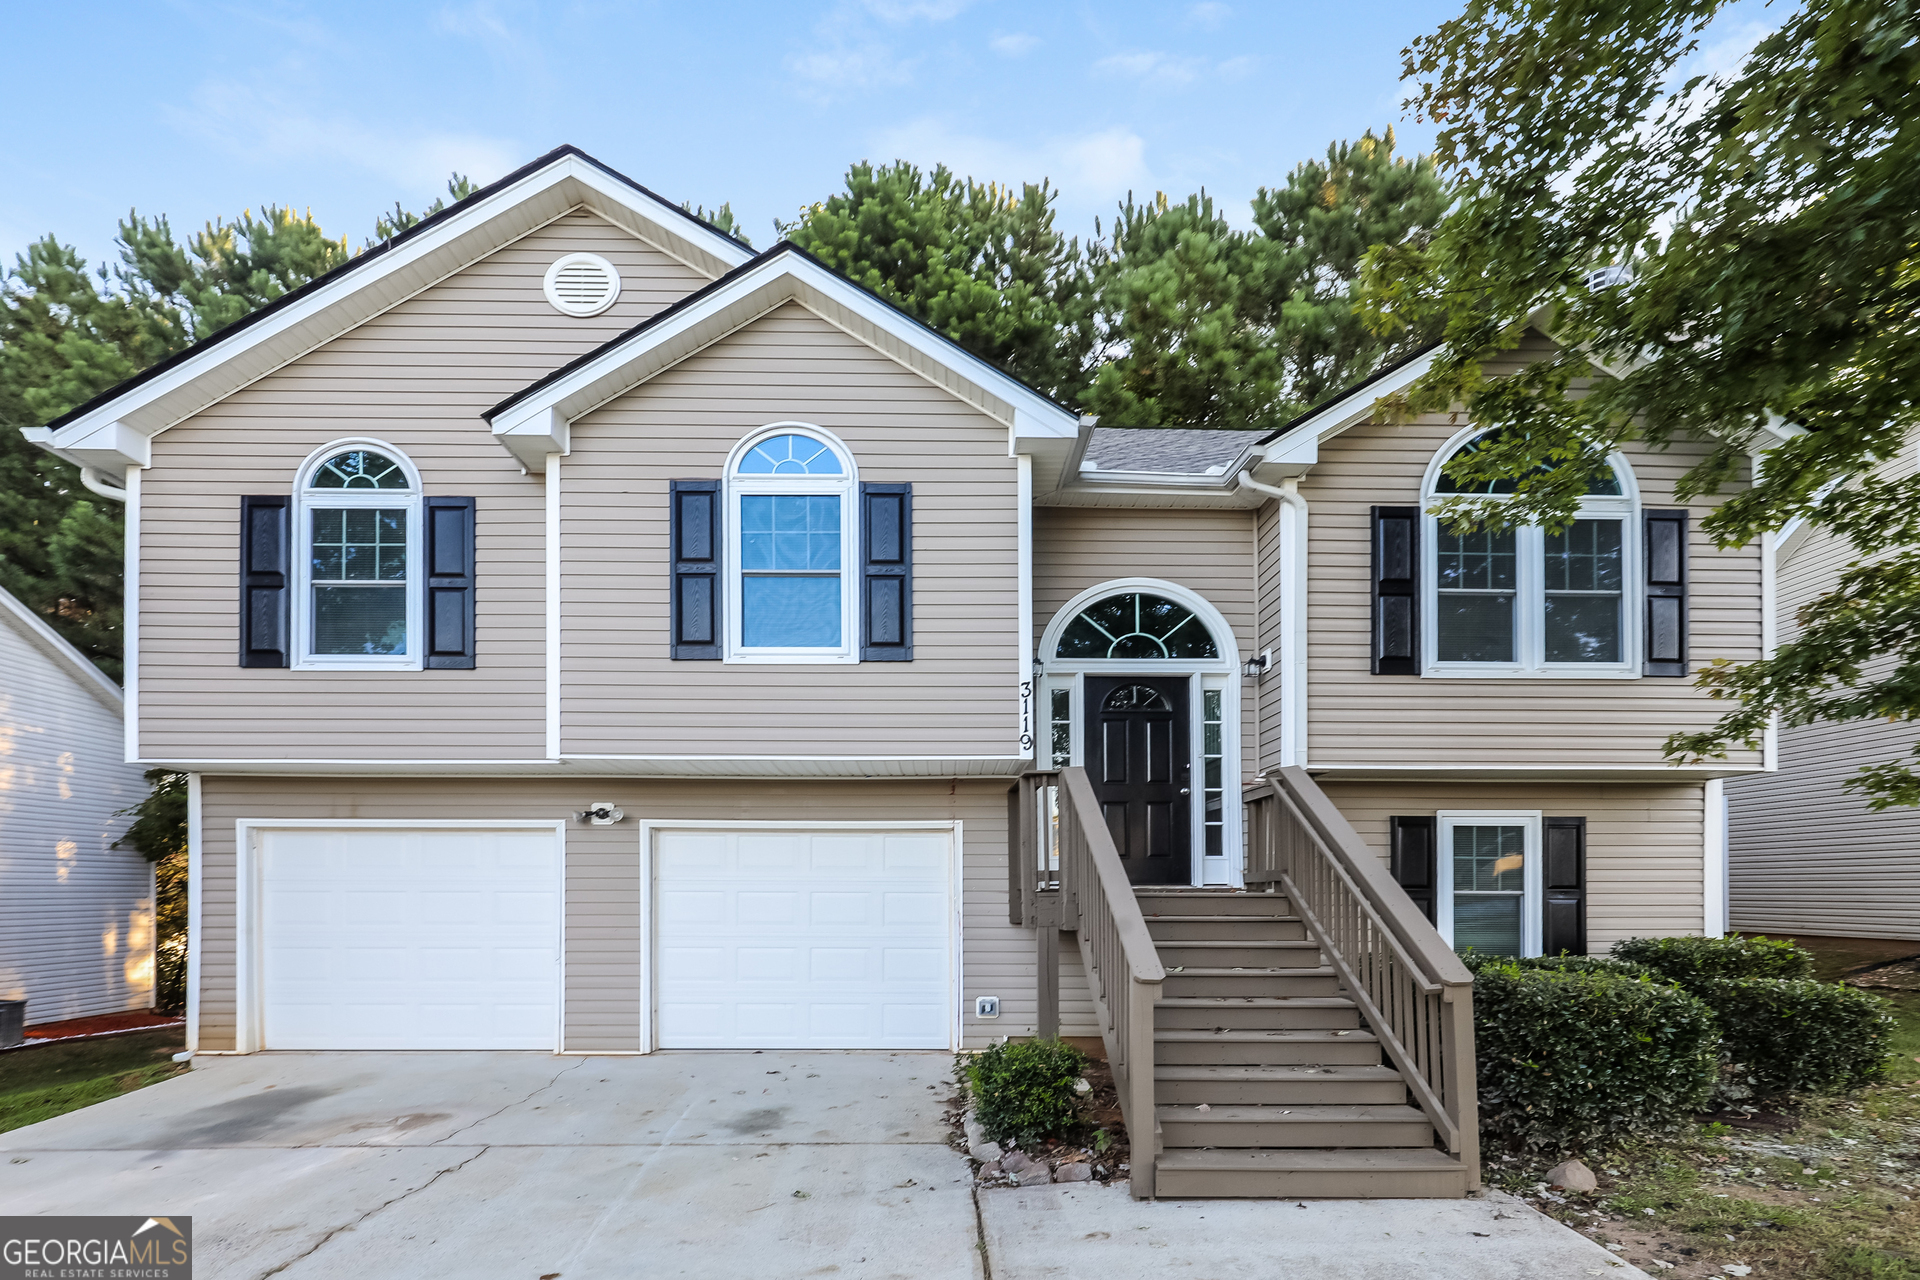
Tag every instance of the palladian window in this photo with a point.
(793, 529)
(1134, 627)
(359, 530)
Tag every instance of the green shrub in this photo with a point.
(1692, 961)
(1568, 1059)
(1800, 1036)
(1561, 964)
(1023, 1091)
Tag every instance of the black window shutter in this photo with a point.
(695, 607)
(1396, 633)
(1413, 859)
(886, 573)
(1563, 925)
(1666, 544)
(265, 581)
(450, 573)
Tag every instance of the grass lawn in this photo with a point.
(1826, 1190)
(40, 1083)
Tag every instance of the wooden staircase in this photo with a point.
(1253, 1027)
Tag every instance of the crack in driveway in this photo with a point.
(348, 1226)
(522, 1102)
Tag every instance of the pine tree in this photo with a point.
(389, 225)
(721, 219)
(973, 260)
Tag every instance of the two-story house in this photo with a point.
(588, 635)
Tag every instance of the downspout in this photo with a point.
(1293, 614)
(96, 482)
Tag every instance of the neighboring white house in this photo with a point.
(76, 914)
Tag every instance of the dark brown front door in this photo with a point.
(1140, 760)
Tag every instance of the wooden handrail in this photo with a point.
(1067, 875)
(1411, 989)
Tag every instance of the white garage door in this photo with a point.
(804, 939)
(410, 939)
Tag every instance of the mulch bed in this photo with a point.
(100, 1024)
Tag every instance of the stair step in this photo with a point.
(1309, 1173)
(1251, 1048)
(1161, 901)
(1255, 1013)
(1342, 1125)
(1296, 954)
(1212, 980)
(1200, 928)
(1279, 1086)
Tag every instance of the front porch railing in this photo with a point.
(1066, 874)
(1410, 987)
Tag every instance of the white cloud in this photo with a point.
(863, 66)
(1161, 69)
(1014, 46)
(1091, 170)
(264, 126)
(1209, 15)
(900, 12)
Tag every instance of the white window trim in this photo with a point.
(305, 501)
(1529, 636)
(1533, 885)
(1221, 673)
(847, 486)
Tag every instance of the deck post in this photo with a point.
(1048, 931)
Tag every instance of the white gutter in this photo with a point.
(97, 483)
(1293, 614)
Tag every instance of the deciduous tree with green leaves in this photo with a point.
(1767, 296)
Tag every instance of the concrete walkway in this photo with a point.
(376, 1165)
(1074, 1231)
(724, 1165)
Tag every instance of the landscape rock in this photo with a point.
(1016, 1162)
(976, 1133)
(992, 1169)
(1078, 1171)
(1572, 1175)
(985, 1152)
(1035, 1175)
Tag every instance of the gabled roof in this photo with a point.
(113, 428)
(534, 422)
(1169, 450)
(34, 630)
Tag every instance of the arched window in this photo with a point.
(793, 547)
(1523, 600)
(1135, 627)
(358, 538)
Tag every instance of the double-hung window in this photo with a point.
(357, 595)
(1521, 600)
(794, 546)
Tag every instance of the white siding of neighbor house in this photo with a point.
(603, 996)
(76, 914)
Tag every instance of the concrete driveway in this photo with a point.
(517, 1165)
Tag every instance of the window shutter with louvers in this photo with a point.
(1396, 633)
(1666, 542)
(695, 586)
(1413, 859)
(450, 579)
(1563, 925)
(886, 573)
(265, 578)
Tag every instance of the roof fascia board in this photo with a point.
(471, 234)
(757, 290)
(50, 642)
(1301, 445)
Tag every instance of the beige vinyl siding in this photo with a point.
(1209, 552)
(1356, 718)
(1805, 855)
(76, 914)
(603, 999)
(621, 692)
(418, 377)
(1645, 844)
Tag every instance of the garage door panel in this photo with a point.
(456, 949)
(802, 940)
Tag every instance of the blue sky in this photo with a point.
(199, 110)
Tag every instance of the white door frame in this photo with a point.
(650, 925)
(249, 1015)
(1223, 673)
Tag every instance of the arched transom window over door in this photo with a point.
(1136, 626)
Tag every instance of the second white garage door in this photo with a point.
(804, 939)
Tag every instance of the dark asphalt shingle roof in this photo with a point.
(1165, 449)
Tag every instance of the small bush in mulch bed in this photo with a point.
(1565, 963)
(1690, 961)
(1023, 1091)
(1568, 1059)
(1799, 1036)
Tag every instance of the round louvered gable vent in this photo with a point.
(582, 284)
